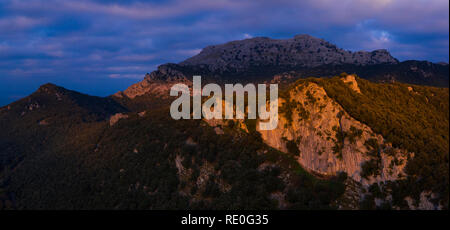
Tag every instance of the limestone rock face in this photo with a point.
(157, 83)
(145, 86)
(301, 50)
(315, 131)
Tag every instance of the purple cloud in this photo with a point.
(95, 41)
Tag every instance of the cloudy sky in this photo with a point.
(99, 47)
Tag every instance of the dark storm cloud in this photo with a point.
(100, 47)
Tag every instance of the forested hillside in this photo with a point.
(411, 117)
(60, 149)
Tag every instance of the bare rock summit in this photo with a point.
(300, 51)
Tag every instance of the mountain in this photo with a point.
(342, 142)
(300, 51)
(55, 102)
(259, 59)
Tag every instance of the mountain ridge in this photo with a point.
(259, 59)
(301, 50)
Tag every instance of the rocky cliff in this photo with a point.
(329, 140)
(326, 141)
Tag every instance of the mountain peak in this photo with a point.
(302, 50)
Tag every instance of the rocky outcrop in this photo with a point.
(145, 86)
(330, 141)
(116, 117)
(351, 81)
(302, 50)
